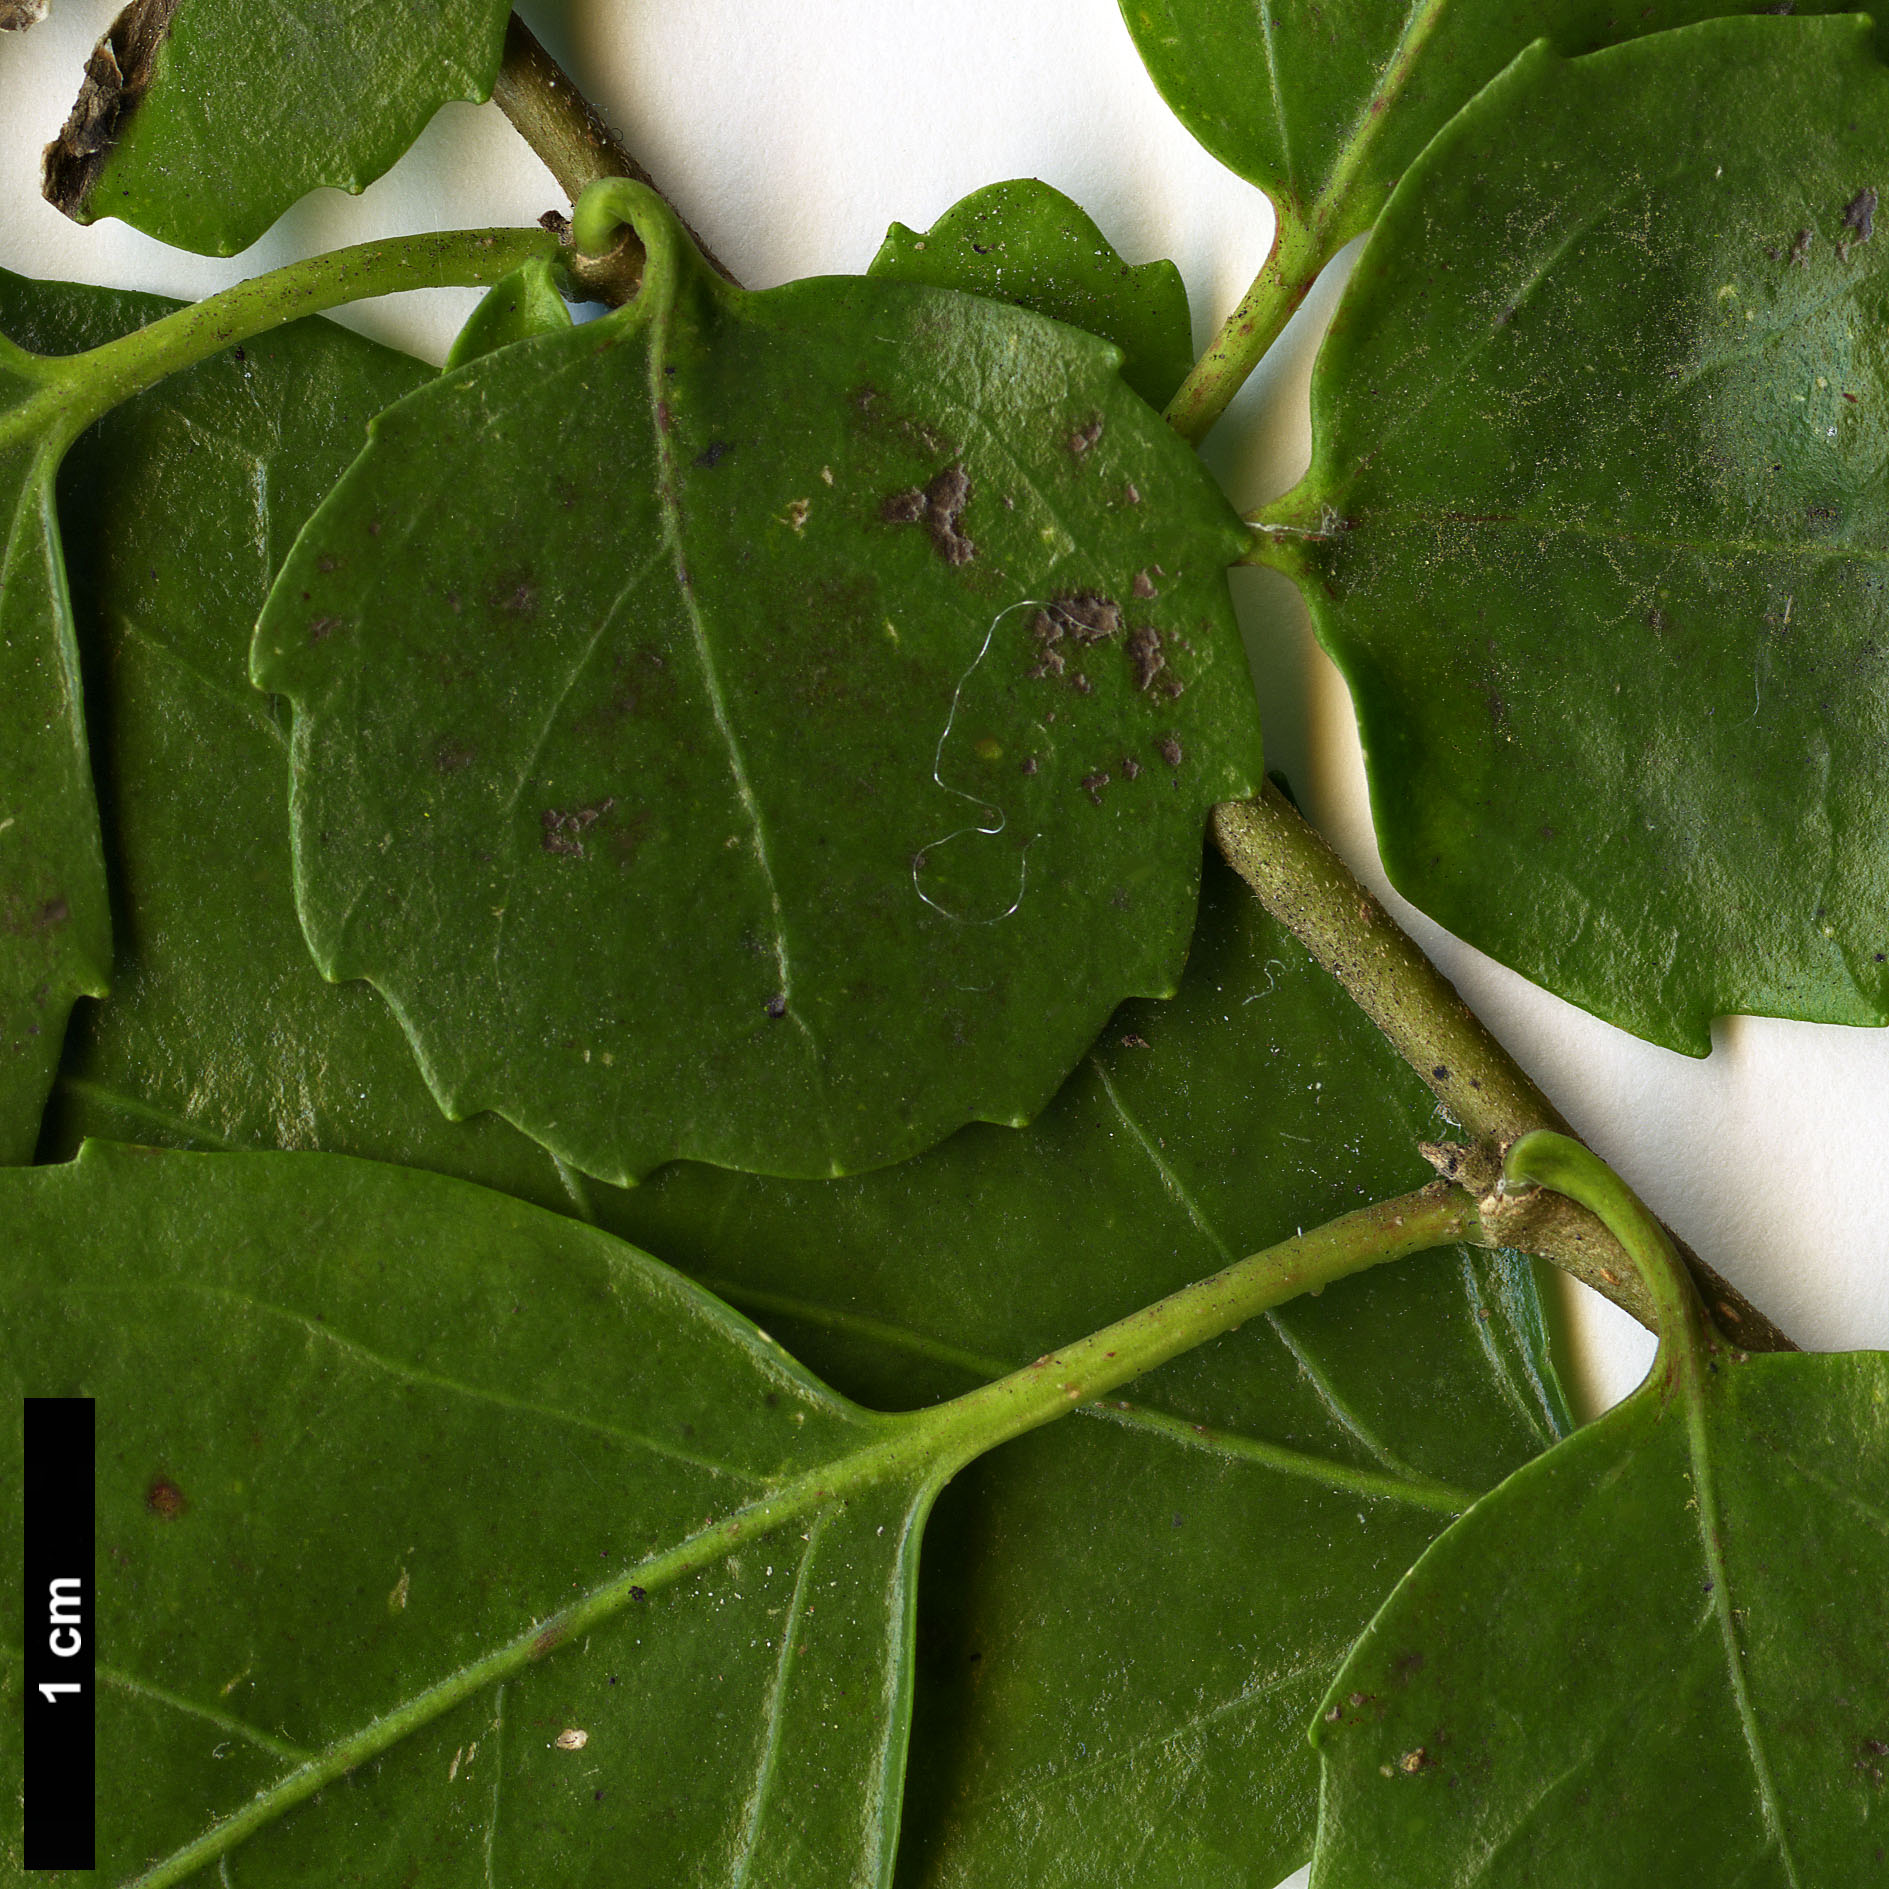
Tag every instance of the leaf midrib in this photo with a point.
(668, 501)
(1705, 1488)
(820, 1487)
(1407, 1486)
(1613, 531)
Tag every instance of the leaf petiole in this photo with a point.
(1557, 1162)
(76, 390)
(1291, 267)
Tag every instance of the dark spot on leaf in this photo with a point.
(1092, 784)
(1145, 656)
(662, 415)
(636, 1594)
(1086, 616)
(1441, 1072)
(1859, 215)
(938, 508)
(564, 827)
(1144, 585)
(1085, 436)
(1081, 684)
(1029, 767)
(627, 836)
(1132, 493)
(776, 1007)
(1800, 249)
(549, 1638)
(1170, 746)
(714, 453)
(165, 1500)
(1131, 768)
(1134, 1042)
(452, 756)
(321, 628)
(1406, 1666)
(325, 563)
(514, 596)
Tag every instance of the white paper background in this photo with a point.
(790, 133)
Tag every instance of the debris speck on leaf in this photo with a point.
(1145, 656)
(938, 508)
(1085, 436)
(1859, 217)
(564, 827)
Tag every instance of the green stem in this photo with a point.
(1291, 267)
(1558, 1162)
(570, 137)
(1312, 892)
(85, 387)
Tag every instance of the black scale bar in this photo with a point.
(61, 1641)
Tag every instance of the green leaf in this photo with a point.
(1176, 1652)
(55, 922)
(805, 704)
(175, 510)
(201, 121)
(1114, 1665)
(1026, 243)
(1652, 1656)
(1325, 107)
(605, 1587)
(1595, 527)
(526, 303)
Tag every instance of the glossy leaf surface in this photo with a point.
(524, 304)
(1025, 242)
(1325, 107)
(1183, 1661)
(1653, 1656)
(459, 1540)
(771, 729)
(1595, 527)
(55, 923)
(201, 121)
(1136, 1681)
